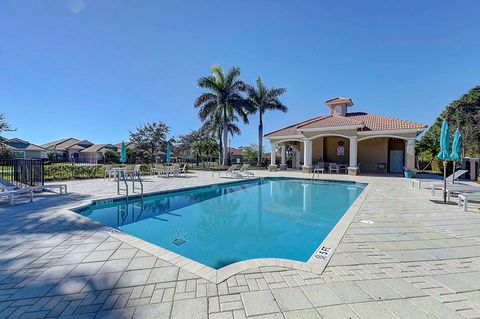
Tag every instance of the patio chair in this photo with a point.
(159, 170)
(320, 168)
(183, 170)
(333, 167)
(108, 172)
(243, 171)
(467, 197)
(232, 172)
(175, 170)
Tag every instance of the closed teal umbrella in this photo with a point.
(456, 150)
(168, 152)
(444, 154)
(123, 155)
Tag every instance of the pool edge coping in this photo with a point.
(315, 265)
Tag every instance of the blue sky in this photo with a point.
(97, 69)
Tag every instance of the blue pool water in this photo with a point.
(220, 225)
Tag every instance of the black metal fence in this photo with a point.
(22, 172)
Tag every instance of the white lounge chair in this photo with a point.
(232, 172)
(467, 197)
(416, 183)
(243, 171)
(456, 188)
(11, 194)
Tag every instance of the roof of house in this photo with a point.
(128, 144)
(69, 143)
(97, 147)
(55, 143)
(22, 145)
(235, 151)
(365, 121)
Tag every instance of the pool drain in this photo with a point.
(367, 221)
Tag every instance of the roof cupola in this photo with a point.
(338, 105)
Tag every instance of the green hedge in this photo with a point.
(69, 171)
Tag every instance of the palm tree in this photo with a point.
(224, 101)
(263, 99)
(213, 128)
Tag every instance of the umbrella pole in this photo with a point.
(444, 181)
(453, 175)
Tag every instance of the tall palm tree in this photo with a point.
(263, 99)
(224, 98)
(213, 128)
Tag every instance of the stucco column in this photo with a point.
(307, 155)
(297, 158)
(352, 168)
(272, 154)
(283, 154)
(410, 154)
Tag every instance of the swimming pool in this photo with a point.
(222, 224)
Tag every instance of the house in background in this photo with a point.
(68, 149)
(376, 143)
(95, 153)
(24, 149)
(235, 155)
(129, 145)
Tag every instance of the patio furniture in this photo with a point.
(232, 172)
(160, 170)
(108, 172)
(333, 167)
(466, 197)
(418, 183)
(117, 170)
(175, 169)
(11, 194)
(183, 170)
(343, 167)
(319, 168)
(455, 188)
(62, 188)
(243, 171)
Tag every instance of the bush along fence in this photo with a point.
(70, 170)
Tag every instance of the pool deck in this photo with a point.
(420, 259)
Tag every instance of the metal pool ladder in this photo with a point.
(121, 176)
(136, 176)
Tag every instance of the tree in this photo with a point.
(184, 142)
(150, 139)
(212, 127)
(204, 149)
(250, 153)
(4, 127)
(111, 156)
(224, 100)
(463, 114)
(263, 99)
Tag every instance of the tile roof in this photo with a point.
(22, 145)
(235, 151)
(292, 129)
(368, 121)
(97, 147)
(56, 143)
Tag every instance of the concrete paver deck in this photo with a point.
(420, 259)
